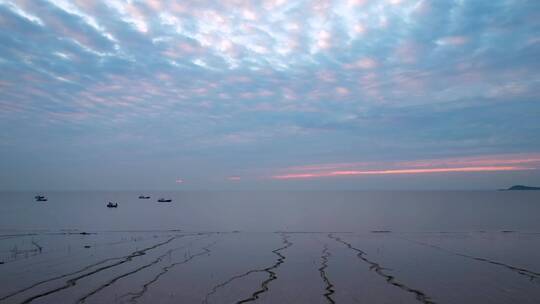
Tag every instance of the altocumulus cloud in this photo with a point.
(216, 90)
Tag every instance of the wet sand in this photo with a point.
(172, 266)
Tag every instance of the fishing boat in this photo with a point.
(40, 198)
(164, 200)
(143, 197)
(111, 205)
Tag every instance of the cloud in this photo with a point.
(272, 80)
(22, 13)
(398, 171)
(452, 40)
(494, 163)
(364, 63)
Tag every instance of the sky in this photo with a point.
(272, 94)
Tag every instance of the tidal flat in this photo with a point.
(379, 259)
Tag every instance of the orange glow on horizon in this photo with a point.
(398, 171)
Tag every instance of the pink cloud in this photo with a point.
(512, 162)
(224, 96)
(453, 40)
(359, 28)
(511, 159)
(234, 178)
(156, 5)
(327, 166)
(356, 2)
(342, 91)
(398, 171)
(364, 63)
(273, 4)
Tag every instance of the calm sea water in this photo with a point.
(271, 247)
(272, 211)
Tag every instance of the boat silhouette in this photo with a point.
(40, 198)
(163, 200)
(143, 197)
(111, 205)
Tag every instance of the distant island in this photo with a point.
(521, 187)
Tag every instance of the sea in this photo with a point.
(271, 247)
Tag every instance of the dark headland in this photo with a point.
(521, 187)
